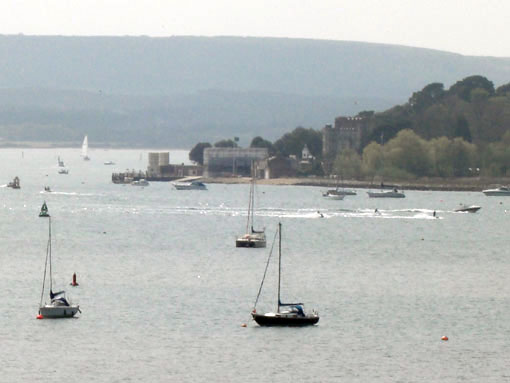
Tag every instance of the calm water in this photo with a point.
(164, 291)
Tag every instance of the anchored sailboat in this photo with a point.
(294, 313)
(59, 306)
(252, 238)
(85, 149)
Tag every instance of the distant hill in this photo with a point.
(179, 90)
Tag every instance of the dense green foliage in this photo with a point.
(197, 153)
(293, 143)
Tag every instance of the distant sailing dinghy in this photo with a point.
(293, 314)
(85, 149)
(59, 306)
(44, 211)
(252, 238)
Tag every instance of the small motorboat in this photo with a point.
(467, 208)
(499, 191)
(109, 163)
(332, 193)
(394, 193)
(194, 185)
(140, 182)
(47, 189)
(63, 171)
(14, 184)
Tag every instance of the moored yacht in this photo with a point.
(499, 191)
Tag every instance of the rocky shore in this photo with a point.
(440, 184)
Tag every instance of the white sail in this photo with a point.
(85, 149)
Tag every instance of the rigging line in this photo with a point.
(44, 277)
(265, 271)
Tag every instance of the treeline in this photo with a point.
(459, 132)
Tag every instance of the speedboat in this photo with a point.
(140, 182)
(109, 163)
(194, 185)
(467, 208)
(336, 196)
(500, 191)
(394, 193)
(331, 193)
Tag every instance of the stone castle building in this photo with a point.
(346, 134)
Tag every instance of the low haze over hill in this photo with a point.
(176, 91)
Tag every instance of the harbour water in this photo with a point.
(164, 292)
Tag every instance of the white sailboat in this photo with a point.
(59, 306)
(252, 238)
(85, 149)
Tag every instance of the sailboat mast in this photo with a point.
(250, 207)
(49, 252)
(279, 261)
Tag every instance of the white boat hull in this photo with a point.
(251, 241)
(496, 193)
(54, 312)
(386, 194)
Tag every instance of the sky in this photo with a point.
(469, 27)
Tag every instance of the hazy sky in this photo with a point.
(472, 27)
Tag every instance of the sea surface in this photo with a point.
(164, 292)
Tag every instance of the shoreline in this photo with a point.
(472, 184)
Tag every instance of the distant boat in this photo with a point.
(60, 162)
(109, 163)
(294, 314)
(500, 191)
(467, 208)
(332, 194)
(393, 193)
(47, 189)
(85, 149)
(252, 238)
(193, 185)
(44, 211)
(59, 306)
(140, 182)
(63, 171)
(14, 184)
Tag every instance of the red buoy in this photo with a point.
(39, 316)
(444, 337)
(74, 283)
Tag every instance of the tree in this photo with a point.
(462, 89)
(295, 141)
(427, 96)
(409, 152)
(259, 142)
(462, 129)
(197, 153)
(225, 144)
(347, 164)
(372, 159)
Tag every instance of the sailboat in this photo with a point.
(337, 192)
(59, 306)
(85, 149)
(252, 238)
(293, 313)
(60, 162)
